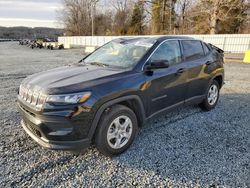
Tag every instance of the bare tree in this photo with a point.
(77, 16)
(122, 13)
(182, 7)
(220, 11)
(120, 5)
(163, 15)
(120, 16)
(214, 16)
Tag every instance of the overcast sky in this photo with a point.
(32, 13)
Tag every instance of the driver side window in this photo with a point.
(170, 51)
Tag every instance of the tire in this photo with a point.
(210, 102)
(112, 130)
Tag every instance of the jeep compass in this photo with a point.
(104, 98)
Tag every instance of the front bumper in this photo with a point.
(55, 130)
(56, 145)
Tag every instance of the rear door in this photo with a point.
(197, 62)
(167, 86)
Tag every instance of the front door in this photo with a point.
(167, 86)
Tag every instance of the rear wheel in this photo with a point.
(116, 131)
(212, 96)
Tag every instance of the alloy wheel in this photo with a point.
(212, 95)
(119, 132)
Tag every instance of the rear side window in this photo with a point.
(192, 49)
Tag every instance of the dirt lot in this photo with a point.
(187, 147)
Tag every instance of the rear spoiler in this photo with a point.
(216, 48)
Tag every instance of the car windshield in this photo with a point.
(120, 53)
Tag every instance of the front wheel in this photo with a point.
(212, 96)
(116, 130)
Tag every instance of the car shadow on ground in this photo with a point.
(185, 147)
(191, 145)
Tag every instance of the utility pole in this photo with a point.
(92, 18)
(170, 18)
(163, 15)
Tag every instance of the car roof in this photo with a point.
(162, 38)
(159, 38)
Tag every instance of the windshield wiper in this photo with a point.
(81, 61)
(98, 64)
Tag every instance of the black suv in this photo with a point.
(105, 97)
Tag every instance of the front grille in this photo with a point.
(34, 98)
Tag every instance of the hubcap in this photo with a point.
(212, 95)
(119, 132)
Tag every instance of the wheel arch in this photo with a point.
(132, 101)
(219, 79)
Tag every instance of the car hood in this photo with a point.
(68, 79)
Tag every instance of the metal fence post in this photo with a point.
(224, 43)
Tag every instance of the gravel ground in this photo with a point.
(187, 147)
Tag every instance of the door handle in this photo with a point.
(209, 62)
(181, 70)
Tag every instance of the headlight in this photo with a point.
(69, 98)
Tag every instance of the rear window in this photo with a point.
(192, 49)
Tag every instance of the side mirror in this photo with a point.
(157, 64)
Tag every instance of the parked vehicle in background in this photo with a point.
(42, 43)
(109, 94)
(24, 42)
(53, 46)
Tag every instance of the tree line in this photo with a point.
(29, 33)
(141, 17)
